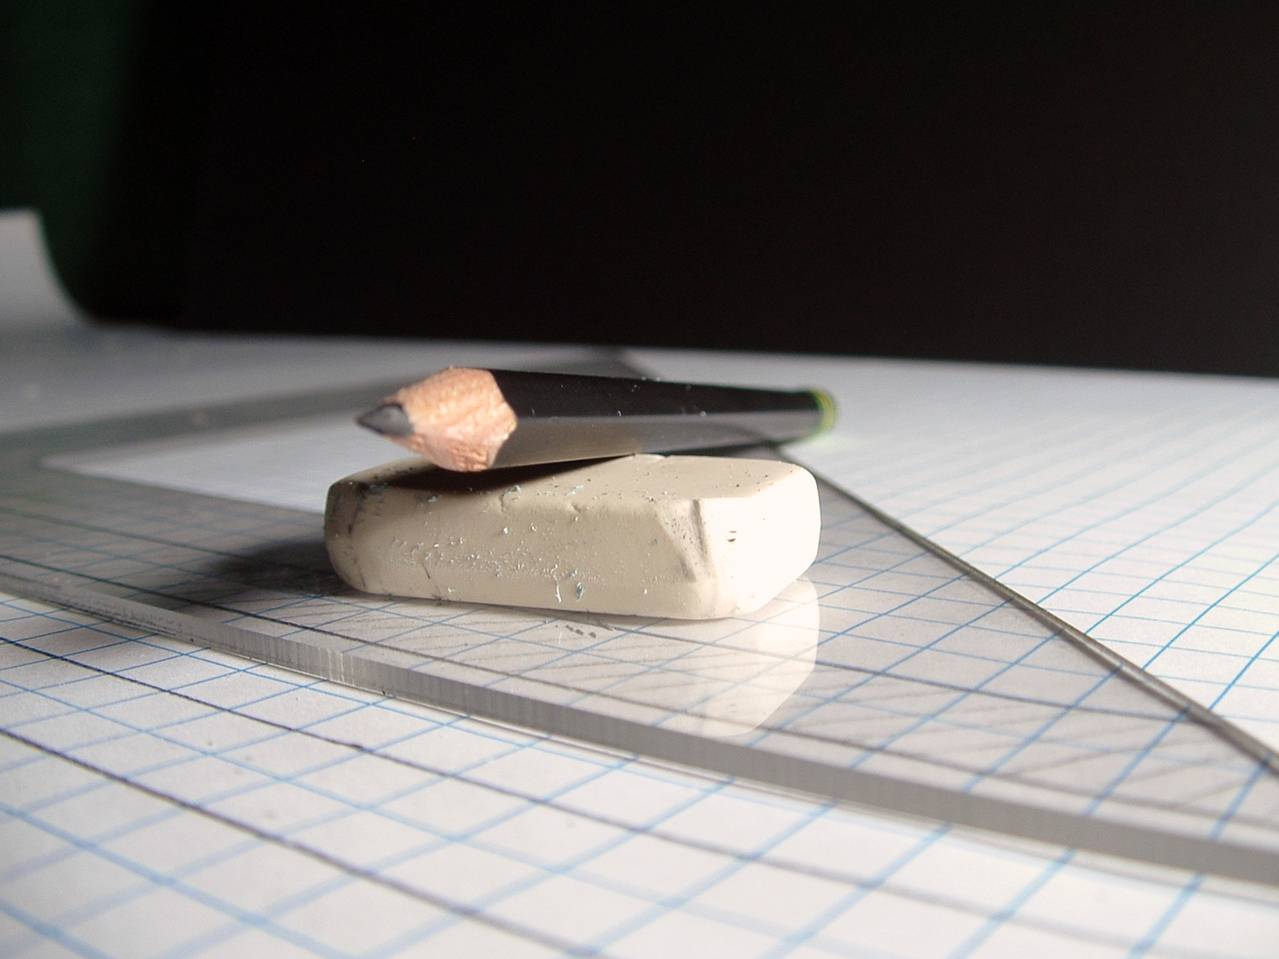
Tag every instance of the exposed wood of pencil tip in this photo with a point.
(457, 419)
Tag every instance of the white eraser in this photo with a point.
(688, 537)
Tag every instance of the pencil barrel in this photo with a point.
(561, 439)
(563, 417)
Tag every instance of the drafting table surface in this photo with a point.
(304, 811)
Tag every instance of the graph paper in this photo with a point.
(1003, 930)
(1141, 508)
(162, 799)
(907, 684)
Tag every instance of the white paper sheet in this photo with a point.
(656, 863)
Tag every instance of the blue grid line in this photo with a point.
(1082, 530)
(156, 878)
(1182, 565)
(1059, 481)
(813, 928)
(310, 614)
(1244, 669)
(1172, 420)
(459, 773)
(1160, 925)
(169, 881)
(306, 602)
(1009, 909)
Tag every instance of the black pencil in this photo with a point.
(470, 419)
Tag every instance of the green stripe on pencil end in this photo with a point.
(825, 403)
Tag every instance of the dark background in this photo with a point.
(1057, 184)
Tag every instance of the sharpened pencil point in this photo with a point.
(389, 419)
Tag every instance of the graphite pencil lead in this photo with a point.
(389, 419)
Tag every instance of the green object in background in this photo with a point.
(102, 104)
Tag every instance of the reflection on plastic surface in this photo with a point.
(930, 691)
(734, 684)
